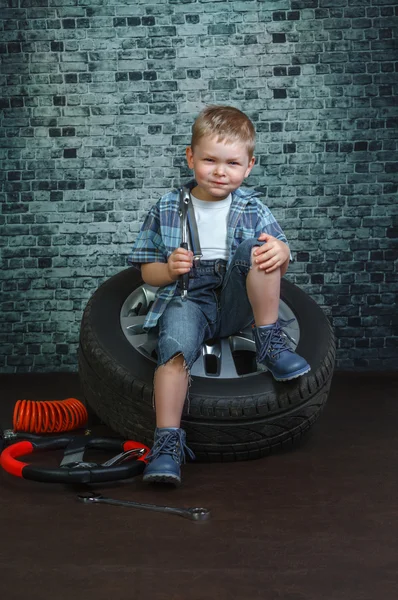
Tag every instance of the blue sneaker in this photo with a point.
(166, 456)
(274, 352)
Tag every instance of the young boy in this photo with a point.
(245, 254)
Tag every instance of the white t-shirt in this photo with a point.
(212, 219)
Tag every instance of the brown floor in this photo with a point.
(317, 523)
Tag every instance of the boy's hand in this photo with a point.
(179, 262)
(272, 255)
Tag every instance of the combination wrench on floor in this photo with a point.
(194, 514)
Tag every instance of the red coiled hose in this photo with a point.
(51, 416)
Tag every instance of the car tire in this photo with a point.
(225, 419)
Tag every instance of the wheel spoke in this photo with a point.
(216, 360)
(132, 324)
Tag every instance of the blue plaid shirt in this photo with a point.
(160, 235)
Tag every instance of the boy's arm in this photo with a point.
(160, 274)
(156, 274)
(149, 254)
(275, 243)
(149, 246)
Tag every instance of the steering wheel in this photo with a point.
(129, 462)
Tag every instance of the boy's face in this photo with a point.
(219, 167)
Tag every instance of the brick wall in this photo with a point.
(97, 102)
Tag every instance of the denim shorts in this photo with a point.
(217, 306)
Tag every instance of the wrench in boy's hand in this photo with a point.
(184, 201)
(184, 277)
(194, 514)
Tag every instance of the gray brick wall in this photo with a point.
(97, 103)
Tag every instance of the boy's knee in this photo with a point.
(245, 250)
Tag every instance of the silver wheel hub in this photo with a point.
(223, 358)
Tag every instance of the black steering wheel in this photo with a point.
(129, 462)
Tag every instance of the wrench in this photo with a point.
(184, 201)
(194, 514)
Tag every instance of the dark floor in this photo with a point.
(317, 523)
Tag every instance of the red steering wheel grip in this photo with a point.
(80, 474)
(8, 456)
(132, 445)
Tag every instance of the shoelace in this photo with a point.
(168, 444)
(277, 336)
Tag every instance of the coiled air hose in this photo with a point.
(51, 416)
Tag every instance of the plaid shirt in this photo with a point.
(160, 235)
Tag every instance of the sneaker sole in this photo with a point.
(291, 375)
(162, 478)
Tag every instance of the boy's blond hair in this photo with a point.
(227, 123)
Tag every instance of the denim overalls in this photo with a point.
(217, 306)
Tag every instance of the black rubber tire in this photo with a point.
(230, 419)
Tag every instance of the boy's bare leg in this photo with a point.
(263, 291)
(170, 389)
(169, 448)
